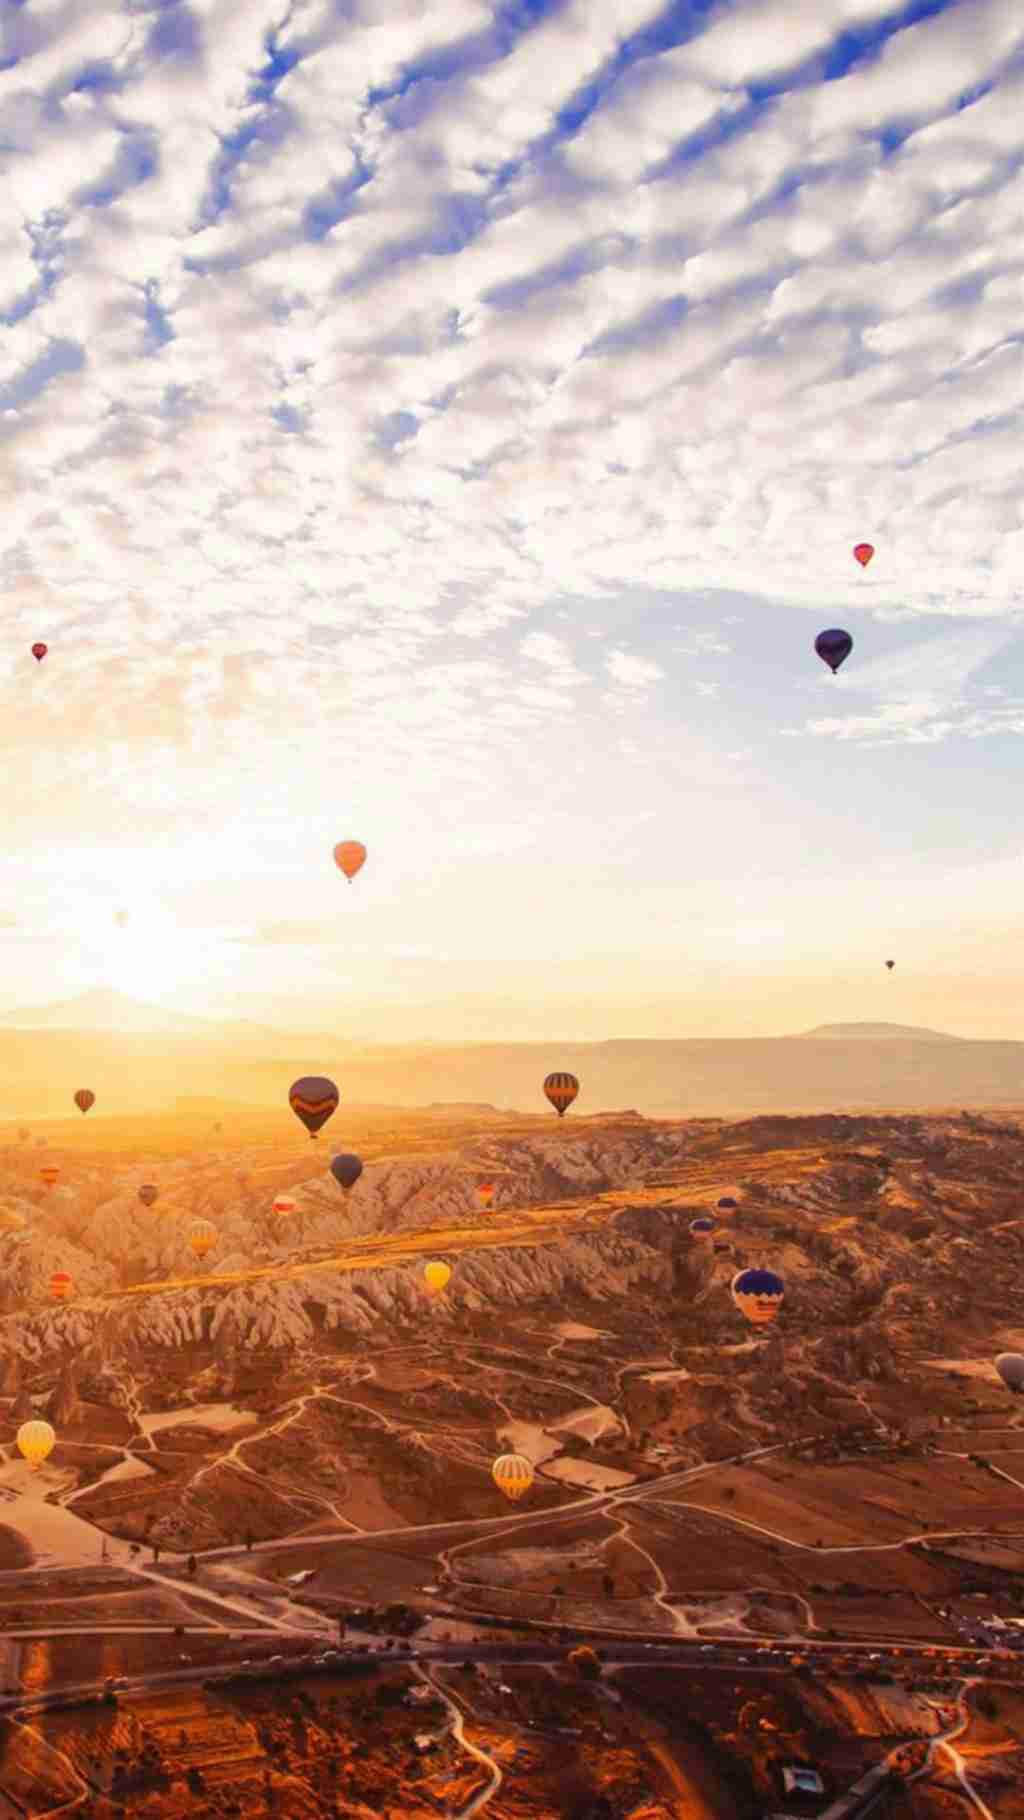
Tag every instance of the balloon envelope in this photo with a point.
(727, 1201)
(346, 1170)
(561, 1090)
(703, 1229)
(49, 1175)
(863, 553)
(148, 1193)
(833, 647)
(202, 1236)
(84, 1099)
(890, 965)
(35, 1440)
(61, 1285)
(512, 1474)
(313, 1099)
(758, 1294)
(349, 856)
(39, 652)
(284, 1203)
(437, 1276)
(485, 1193)
(1010, 1366)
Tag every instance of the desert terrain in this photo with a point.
(284, 1448)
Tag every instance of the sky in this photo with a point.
(447, 426)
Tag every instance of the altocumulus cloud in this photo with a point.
(375, 331)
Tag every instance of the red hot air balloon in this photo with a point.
(61, 1285)
(863, 552)
(349, 856)
(39, 652)
(84, 1098)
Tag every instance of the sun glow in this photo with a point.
(144, 954)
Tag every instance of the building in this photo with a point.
(797, 1781)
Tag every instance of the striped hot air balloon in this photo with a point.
(84, 1098)
(313, 1099)
(561, 1090)
(61, 1286)
(512, 1474)
(284, 1204)
(35, 1440)
(202, 1236)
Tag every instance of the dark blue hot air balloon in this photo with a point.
(758, 1294)
(346, 1170)
(833, 647)
(727, 1201)
(313, 1099)
(703, 1228)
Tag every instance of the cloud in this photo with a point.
(343, 347)
(924, 692)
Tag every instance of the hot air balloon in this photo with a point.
(703, 1228)
(24, 1134)
(1010, 1366)
(39, 652)
(61, 1285)
(349, 857)
(512, 1474)
(121, 918)
(863, 552)
(833, 647)
(84, 1099)
(561, 1090)
(284, 1203)
(49, 1175)
(313, 1099)
(727, 1203)
(346, 1170)
(217, 1129)
(202, 1236)
(148, 1193)
(890, 965)
(35, 1440)
(485, 1193)
(758, 1294)
(437, 1276)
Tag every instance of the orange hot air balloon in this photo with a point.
(202, 1237)
(49, 1175)
(39, 652)
(349, 857)
(561, 1090)
(284, 1203)
(84, 1098)
(512, 1474)
(61, 1286)
(863, 552)
(485, 1193)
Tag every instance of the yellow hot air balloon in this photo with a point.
(349, 857)
(437, 1276)
(202, 1236)
(512, 1474)
(35, 1440)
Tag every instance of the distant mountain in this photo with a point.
(854, 1033)
(103, 1009)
